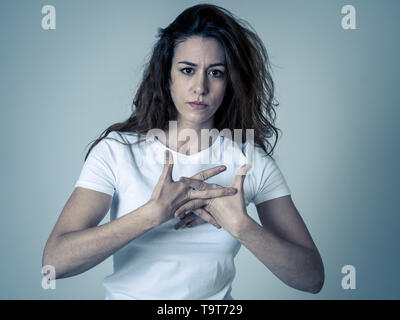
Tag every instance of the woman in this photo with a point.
(178, 222)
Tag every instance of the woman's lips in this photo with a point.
(197, 106)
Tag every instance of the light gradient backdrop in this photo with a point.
(339, 113)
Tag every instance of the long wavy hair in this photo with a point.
(249, 101)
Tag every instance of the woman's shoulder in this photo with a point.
(256, 152)
(114, 141)
(125, 137)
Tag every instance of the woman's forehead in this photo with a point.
(199, 50)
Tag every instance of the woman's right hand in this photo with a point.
(169, 195)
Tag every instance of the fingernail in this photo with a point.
(222, 168)
(232, 190)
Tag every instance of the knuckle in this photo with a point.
(202, 185)
(188, 205)
(194, 205)
(189, 194)
(197, 203)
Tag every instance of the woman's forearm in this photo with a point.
(75, 252)
(297, 266)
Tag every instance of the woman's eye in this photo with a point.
(214, 73)
(185, 69)
(218, 73)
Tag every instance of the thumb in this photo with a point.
(168, 165)
(241, 175)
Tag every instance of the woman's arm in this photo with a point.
(78, 244)
(283, 244)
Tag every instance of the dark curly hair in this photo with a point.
(249, 97)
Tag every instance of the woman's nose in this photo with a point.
(200, 85)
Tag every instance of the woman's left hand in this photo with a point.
(228, 211)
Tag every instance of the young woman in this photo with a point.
(178, 205)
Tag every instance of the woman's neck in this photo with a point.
(187, 138)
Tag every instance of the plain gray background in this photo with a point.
(339, 99)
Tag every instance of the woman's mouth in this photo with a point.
(197, 105)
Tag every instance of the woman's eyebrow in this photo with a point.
(195, 65)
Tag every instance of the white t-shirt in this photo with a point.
(164, 263)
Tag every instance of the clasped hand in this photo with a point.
(220, 206)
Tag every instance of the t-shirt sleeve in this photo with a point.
(269, 180)
(99, 171)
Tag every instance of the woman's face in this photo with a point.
(198, 73)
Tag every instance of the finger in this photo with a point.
(198, 184)
(212, 193)
(192, 220)
(208, 173)
(168, 165)
(194, 223)
(197, 217)
(188, 215)
(190, 205)
(241, 175)
(193, 183)
(187, 219)
(206, 216)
